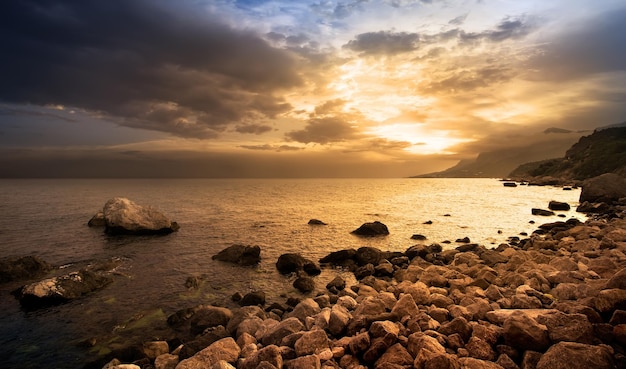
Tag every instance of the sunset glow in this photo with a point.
(276, 83)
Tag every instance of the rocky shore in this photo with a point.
(556, 299)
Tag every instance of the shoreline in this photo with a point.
(559, 294)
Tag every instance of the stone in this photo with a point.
(359, 343)
(375, 228)
(567, 327)
(394, 355)
(557, 205)
(166, 361)
(480, 349)
(437, 361)
(340, 257)
(208, 337)
(385, 329)
(338, 283)
(305, 308)
(303, 362)
(281, 330)
(316, 222)
(27, 267)
(472, 363)
(239, 315)
(256, 298)
(290, 263)
(222, 365)
(523, 332)
(60, 289)
(209, 316)
(240, 254)
(457, 325)
(225, 349)
(97, 220)
(270, 354)
(339, 319)
(420, 341)
(123, 216)
(153, 349)
(610, 300)
(368, 255)
(608, 187)
(506, 362)
(541, 212)
(311, 342)
(572, 355)
(618, 280)
(405, 306)
(304, 284)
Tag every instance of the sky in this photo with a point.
(308, 88)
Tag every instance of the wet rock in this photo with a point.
(341, 257)
(60, 289)
(209, 316)
(26, 267)
(316, 222)
(240, 254)
(123, 216)
(418, 237)
(556, 205)
(253, 298)
(463, 240)
(541, 212)
(572, 355)
(338, 283)
(368, 255)
(294, 262)
(375, 228)
(304, 284)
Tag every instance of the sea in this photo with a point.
(48, 218)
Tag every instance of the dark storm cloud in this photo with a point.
(597, 45)
(384, 42)
(159, 65)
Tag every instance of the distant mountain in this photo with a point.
(604, 151)
(499, 163)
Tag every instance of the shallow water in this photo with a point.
(48, 218)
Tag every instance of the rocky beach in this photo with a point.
(556, 299)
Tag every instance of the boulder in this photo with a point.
(60, 289)
(340, 257)
(294, 262)
(225, 349)
(572, 355)
(239, 315)
(281, 330)
(304, 284)
(524, 333)
(368, 255)
(311, 342)
(253, 298)
(567, 327)
(123, 216)
(375, 228)
(608, 187)
(557, 205)
(316, 222)
(268, 355)
(209, 316)
(338, 284)
(541, 212)
(618, 280)
(240, 254)
(26, 267)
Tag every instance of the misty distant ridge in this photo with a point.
(499, 163)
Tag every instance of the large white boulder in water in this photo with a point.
(122, 216)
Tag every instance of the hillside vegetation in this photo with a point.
(604, 151)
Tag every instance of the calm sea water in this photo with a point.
(48, 218)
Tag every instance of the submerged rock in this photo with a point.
(60, 289)
(240, 254)
(557, 205)
(542, 212)
(22, 268)
(375, 228)
(123, 216)
(97, 220)
(316, 222)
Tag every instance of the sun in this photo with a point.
(423, 141)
